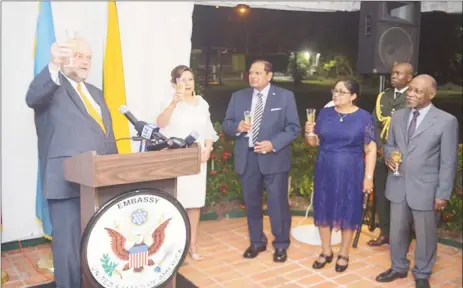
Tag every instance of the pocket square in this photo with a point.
(275, 109)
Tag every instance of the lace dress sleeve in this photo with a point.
(370, 132)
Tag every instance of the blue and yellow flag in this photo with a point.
(44, 39)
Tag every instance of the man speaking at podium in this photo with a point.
(71, 117)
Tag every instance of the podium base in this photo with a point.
(4, 277)
(45, 264)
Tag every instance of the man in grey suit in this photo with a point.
(262, 155)
(71, 117)
(427, 138)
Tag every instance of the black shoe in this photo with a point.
(280, 255)
(341, 268)
(320, 265)
(390, 275)
(381, 240)
(422, 283)
(253, 251)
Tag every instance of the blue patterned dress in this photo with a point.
(340, 168)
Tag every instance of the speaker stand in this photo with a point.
(382, 83)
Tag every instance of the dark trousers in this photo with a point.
(382, 203)
(252, 183)
(65, 220)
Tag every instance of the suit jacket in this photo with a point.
(64, 129)
(429, 159)
(280, 125)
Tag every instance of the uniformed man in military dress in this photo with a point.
(388, 101)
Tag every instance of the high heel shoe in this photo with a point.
(341, 268)
(194, 255)
(320, 265)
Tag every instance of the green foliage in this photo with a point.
(108, 265)
(223, 183)
(302, 170)
(453, 214)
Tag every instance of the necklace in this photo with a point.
(341, 118)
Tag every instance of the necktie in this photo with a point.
(412, 128)
(257, 117)
(397, 95)
(91, 111)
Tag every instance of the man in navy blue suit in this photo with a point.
(262, 155)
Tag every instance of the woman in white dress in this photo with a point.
(183, 113)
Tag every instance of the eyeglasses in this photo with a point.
(340, 93)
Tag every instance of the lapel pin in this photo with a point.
(273, 93)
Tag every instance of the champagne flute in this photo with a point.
(180, 87)
(397, 157)
(70, 34)
(311, 118)
(248, 118)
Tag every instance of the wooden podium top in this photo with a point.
(94, 170)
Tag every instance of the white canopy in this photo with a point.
(331, 6)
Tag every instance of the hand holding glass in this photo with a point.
(397, 157)
(180, 87)
(311, 118)
(248, 118)
(70, 34)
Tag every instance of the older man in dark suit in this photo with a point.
(71, 117)
(427, 139)
(262, 155)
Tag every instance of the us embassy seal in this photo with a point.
(138, 239)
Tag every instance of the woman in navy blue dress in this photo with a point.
(343, 134)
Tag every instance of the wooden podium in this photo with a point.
(104, 177)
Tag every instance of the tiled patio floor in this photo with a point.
(223, 242)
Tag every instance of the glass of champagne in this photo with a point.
(397, 157)
(70, 34)
(248, 118)
(311, 118)
(180, 87)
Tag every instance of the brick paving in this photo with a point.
(222, 243)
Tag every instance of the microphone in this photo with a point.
(145, 130)
(190, 139)
(177, 143)
(159, 146)
(124, 110)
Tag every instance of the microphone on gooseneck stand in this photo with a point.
(124, 110)
(148, 131)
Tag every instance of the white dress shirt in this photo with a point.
(264, 93)
(419, 119)
(400, 91)
(55, 77)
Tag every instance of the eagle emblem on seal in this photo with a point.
(138, 256)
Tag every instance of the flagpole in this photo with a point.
(4, 277)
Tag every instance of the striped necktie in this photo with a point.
(90, 109)
(257, 118)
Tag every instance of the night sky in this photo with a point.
(279, 31)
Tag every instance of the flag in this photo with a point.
(113, 79)
(44, 38)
